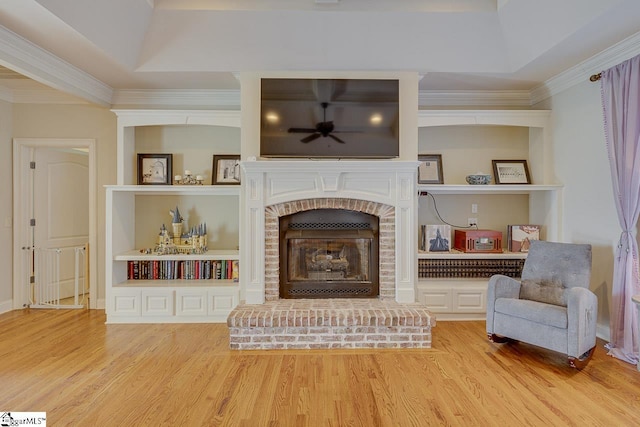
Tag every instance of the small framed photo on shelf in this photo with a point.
(511, 172)
(430, 169)
(155, 169)
(437, 238)
(519, 237)
(226, 169)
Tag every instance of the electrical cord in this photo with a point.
(435, 206)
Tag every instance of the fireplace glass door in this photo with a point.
(318, 266)
(329, 262)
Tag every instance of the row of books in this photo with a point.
(444, 268)
(183, 269)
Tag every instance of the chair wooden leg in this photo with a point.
(580, 362)
(498, 339)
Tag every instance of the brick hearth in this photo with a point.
(330, 323)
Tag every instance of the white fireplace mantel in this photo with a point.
(270, 182)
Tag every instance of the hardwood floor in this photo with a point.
(85, 373)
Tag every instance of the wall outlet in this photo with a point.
(474, 208)
(472, 222)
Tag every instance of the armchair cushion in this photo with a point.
(537, 312)
(548, 291)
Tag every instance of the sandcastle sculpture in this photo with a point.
(192, 242)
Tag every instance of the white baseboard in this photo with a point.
(603, 332)
(6, 306)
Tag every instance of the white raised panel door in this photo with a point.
(61, 208)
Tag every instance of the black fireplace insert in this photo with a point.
(329, 253)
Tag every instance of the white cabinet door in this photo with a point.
(157, 302)
(470, 300)
(191, 302)
(125, 303)
(222, 301)
(438, 300)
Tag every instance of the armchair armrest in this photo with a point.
(502, 287)
(582, 313)
(499, 286)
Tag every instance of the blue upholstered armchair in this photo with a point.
(551, 306)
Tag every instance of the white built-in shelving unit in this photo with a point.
(131, 223)
(465, 298)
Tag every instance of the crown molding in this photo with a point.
(226, 99)
(581, 72)
(506, 98)
(230, 99)
(34, 62)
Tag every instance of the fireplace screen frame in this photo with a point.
(325, 224)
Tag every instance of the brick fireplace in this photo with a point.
(274, 189)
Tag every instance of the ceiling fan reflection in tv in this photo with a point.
(323, 129)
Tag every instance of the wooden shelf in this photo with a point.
(216, 255)
(176, 283)
(487, 189)
(178, 190)
(454, 254)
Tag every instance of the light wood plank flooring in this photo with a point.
(85, 373)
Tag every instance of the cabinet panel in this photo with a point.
(157, 302)
(125, 304)
(438, 300)
(470, 300)
(192, 302)
(222, 301)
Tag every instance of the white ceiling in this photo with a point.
(95, 49)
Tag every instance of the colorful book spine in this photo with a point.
(183, 270)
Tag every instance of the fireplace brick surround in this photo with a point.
(383, 188)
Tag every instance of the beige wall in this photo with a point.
(582, 165)
(75, 121)
(6, 207)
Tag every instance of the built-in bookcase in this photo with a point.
(468, 141)
(179, 287)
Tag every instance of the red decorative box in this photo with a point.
(478, 241)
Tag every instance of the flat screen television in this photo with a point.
(329, 118)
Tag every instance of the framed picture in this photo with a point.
(155, 169)
(519, 237)
(438, 238)
(511, 172)
(226, 169)
(430, 169)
